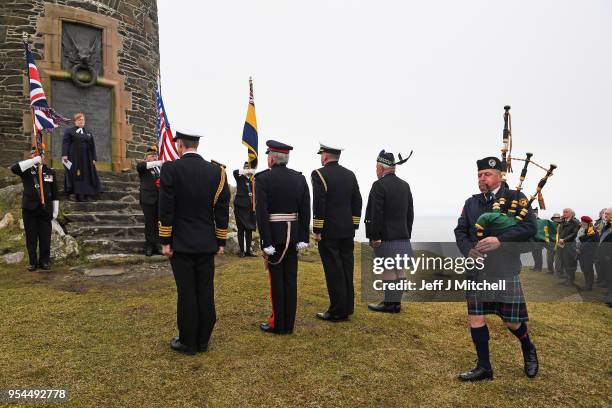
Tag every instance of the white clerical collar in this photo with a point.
(79, 130)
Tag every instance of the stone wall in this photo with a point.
(131, 49)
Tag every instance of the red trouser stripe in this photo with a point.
(271, 320)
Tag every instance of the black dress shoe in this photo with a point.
(330, 317)
(385, 307)
(148, 251)
(176, 345)
(477, 374)
(31, 268)
(531, 362)
(250, 254)
(202, 348)
(241, 254)
(265, 327)
(45, 266)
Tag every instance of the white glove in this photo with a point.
(26, 164)
(152, 164)
(55, 208)
(301, 245)
(270, 250)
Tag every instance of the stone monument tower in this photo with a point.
(100, 57)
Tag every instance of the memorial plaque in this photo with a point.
(81, 44)
(95, 102)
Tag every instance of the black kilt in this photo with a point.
(509, 305)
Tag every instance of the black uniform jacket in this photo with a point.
(336, 207)
(31, 187)
(193, 205)
(281, 190)
(505, 261)
(390, 211)
(149, 192)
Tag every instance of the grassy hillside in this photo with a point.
(106, 341)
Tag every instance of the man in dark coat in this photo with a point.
(604, 255)
(244, 208)
(568, 231)
(336, 213)
(79, 158)
(148, 172)
(502, 261)
(36, 216)
(283, 218)
(193, 217)
(388, 222)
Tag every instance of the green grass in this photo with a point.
(106, 341)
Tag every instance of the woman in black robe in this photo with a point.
(79, 148)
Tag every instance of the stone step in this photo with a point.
(129, 176)
(100, 218)
(123, 196)
(108, 231)
(114, 245)
(101, 206)
(120, 185)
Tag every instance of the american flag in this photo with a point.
(167, 148)
(45, 119)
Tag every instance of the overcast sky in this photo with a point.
(430, 76)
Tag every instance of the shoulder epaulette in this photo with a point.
(218, 164)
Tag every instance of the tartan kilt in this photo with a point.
(509, 304)
(390, 249)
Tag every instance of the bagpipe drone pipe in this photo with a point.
(511, 208)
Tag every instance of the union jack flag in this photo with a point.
(167, 148)
(45, 119)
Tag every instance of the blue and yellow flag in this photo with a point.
(249, 133)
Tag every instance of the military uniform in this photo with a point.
(193, 218)
(149, 173)
(503, 263)
(36, 217)
(389, 218)
(336, 215)
(283, 218)
(244, 212)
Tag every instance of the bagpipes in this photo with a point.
(508, 211)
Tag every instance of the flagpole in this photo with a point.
(35, 132)
(252, 97)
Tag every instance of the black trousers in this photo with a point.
(283, 289)
(337, 256)
(550, 257)
(37, 225)
(536, 252)
(151, 216)
(242, 234)
(586, 265)
(195, 306)
(568, 261)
